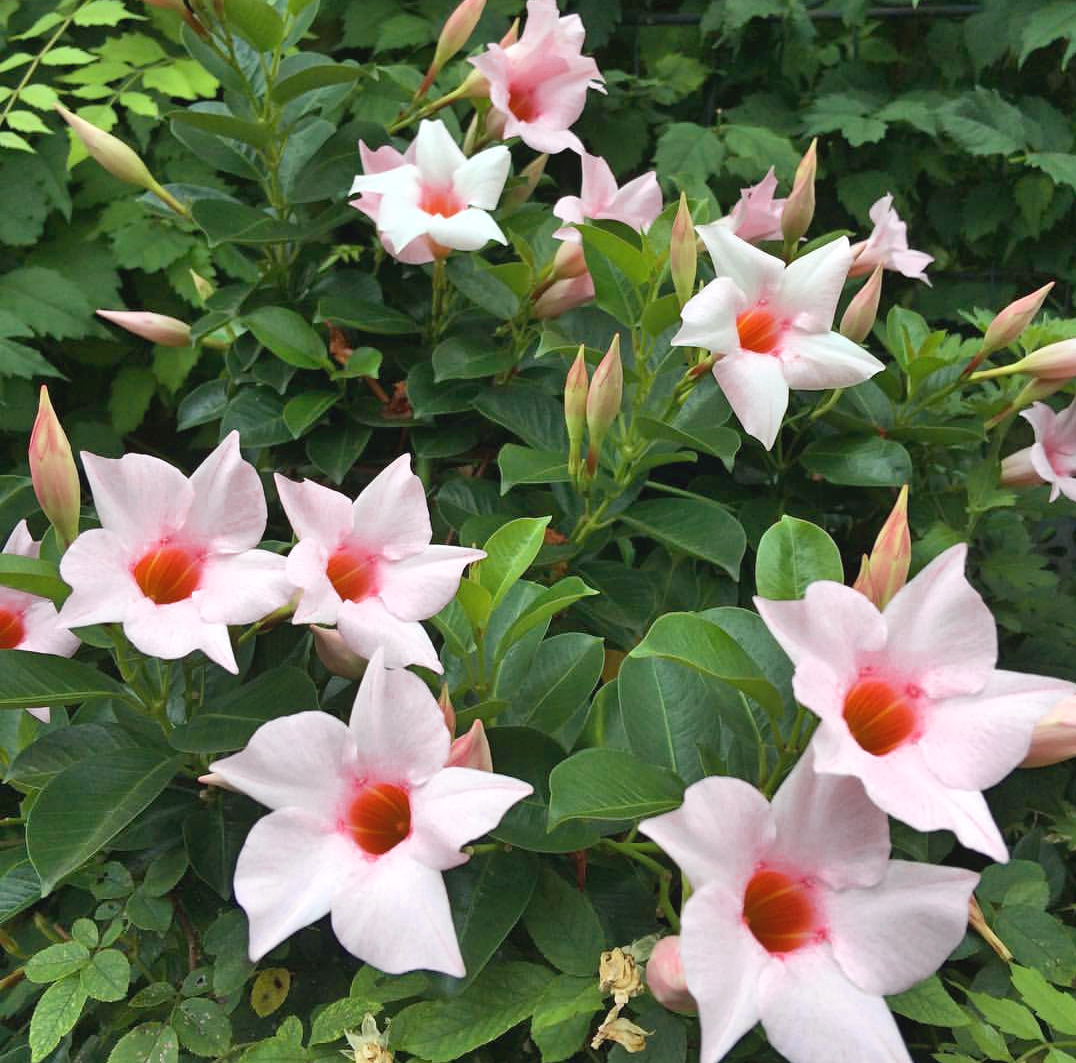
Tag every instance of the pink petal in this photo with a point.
(470, 750)
(456, 806)
(813, 1014)
(175, 630)
(401, 219)
(315, 512)
(888, 938)
(228, 511)
(638, 203)
(973, 742)
(423, 584)
(368, 626)
(811, 286)
(479, 180)
(391, 515)
(398, 726)
(723, 828)
(754, 272)
(757, 393)
(305, 761)
(384, 158)
(306, 567)
(288, 871)
(96, 566)
(941, 633)
(722, 963)
(552, 141)
(709, 318)
(394, 914)
(911, 264)
(242, 588)
(569, 209)
(812, 361)
(598, 185)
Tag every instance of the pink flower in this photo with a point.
(800, 920)
(909, 698)
(368, 567)
(771, 327)
(365, 818)
(757, 216)
(564, 295)
(637, 204)
(539, 84)
(173, 560)
(1051, 459)
(27, 621)
(432, 199)
(471, 750)
(887, 245)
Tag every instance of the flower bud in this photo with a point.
(471, 750)
(1057, 361)
(1011, 322)
(1017, 470)
(512, 36)
(665, 978)
(519, 193)
(1054, 737)
(157, 328)
(603, 400)
(799, 207)
(977, 921)
(52, 469)
(683, 252)
(569, 261)
(859, 317)
(457, 31)
(334, 654)
(447, 709)
(562, 296)
(576, 386)
(886, 570)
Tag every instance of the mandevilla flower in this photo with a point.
(757, 215)
(636, 204)
(1051, 459)
(431, 199)
(368, 567)
(365, 818)
(909, 698)
(770, 325)
(539, 83)
(174, 558)
(157, 328)
(799, 919)
(27, 621)
(887, 245)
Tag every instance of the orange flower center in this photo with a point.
(759, 330)
(778, 911)
(879, 716)
(12, 629)
(380, 818)
(441, 201)
(168, 574)
(522, 103)
(352, 574)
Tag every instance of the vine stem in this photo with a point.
(632, 850)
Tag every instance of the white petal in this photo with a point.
(757, 393)
(367, 626)
(811, 286)
(479, 181)
(43, 633)
(468, 230)
(21, 543)
(315, 512)
(813, 361)
(228, 510)
(391, 516)
(306, 567)
(175, 630)
(709, 318)
(401, 220)
(755, 273)
(423, 584)
(437, 155)
(242, 588)
(98, 569)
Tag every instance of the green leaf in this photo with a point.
(792, 555)
(559, 679)
(609, 784)
(365, 316)
(106, 976)
(845, 114)
(615, 291)
(334, 449)
(57, 961)
(101, 13)
(31, 679)
(1056, 1009)
(867, 461)
(152, 1042)
(66, 55)
(85, 932)
(551, 601)
(982, 123)
(929, 1002)
(564, 1015)
(258, 416)
(1038, 940)
(305, 410)
(1008, 1016)
(443, 1030)
(626, 256)
(56, 750)
(203, 1027)
(690, 154)
(132, 392)
(319, 76)
(33, 576)
(227, 221)
(462, 358)
(288, 336)
(86, 805)
(1053, 22)
(332, 1020)
(56, 1013)
(223, 125)
(563, 924)
(47, 302)
(699, 527)
(1059, 166)
(19, 884)
(18, 360)
(510, 551)
(524, 465)
(256, 21)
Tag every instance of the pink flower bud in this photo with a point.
(334, 654)
(859, 317)
(457, 30)
(665, 977)
(575, 408)
(1011, 322)
(562, 296)
(683, 252)
(519, 193)
(1054, 362)
(120, 160)
(447, 709)
(52, 469)
(603, 400)
(886, 570)
(471, 750)
(157, 328)
(512, 36)
(1017, 470)
(799, 207)
(1054, 737)
(569, 261)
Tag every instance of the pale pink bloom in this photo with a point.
(539, 84)
(432, 199)
(157, 328)
(636, 204)
(799, 919)
(1051, 459)
(471, 750)
(887, 245)
(174, 558)
(666, 980)
(365, 818)
(909, 699)
(757, 216)
(368, 567)
(771, 327)
(564, 295)
(1054, 737)
(28, 621)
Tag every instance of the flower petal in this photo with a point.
(315, 512)
(43, 633)
(306, 568)
(175, 630)
(228, 511)
(368, 626)
(812, 361)
(479, 181)
(469, 230)
(21, 543)
(423, 584)
(102, 587)
(242, 588)
(811, 286)
(755, 273)
(709, 318)
(757, 393)
(437, 155)
(391, 516)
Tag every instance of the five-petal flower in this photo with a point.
(887, 245)
(1051, 459)
(757, 214)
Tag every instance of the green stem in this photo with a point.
(664, 875)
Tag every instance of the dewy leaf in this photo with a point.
(90, 802)
(792, 555)
(510, 551)
(31, 679)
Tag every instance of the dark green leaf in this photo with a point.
(563, 924)
(288, 336)
(699, 527)
(609, 784)
(792, 555)
(31, 679)
(859, 461)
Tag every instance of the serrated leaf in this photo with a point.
(1053, 22)
(57, 961)
(106, 976)
(102, 13)
(152, 1042)
(56, 1013)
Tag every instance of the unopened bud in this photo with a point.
(576, 386)
(471, 750)
(512, 36)
(563, 295)
(52, 469)
(1054, 738)
(603, 400)
(1018, 470)
(569, 261)
(519, 193)
(977, 921)
(859, 317)
(1057, 361)
(619, 975)
(799, 207)
(683, 252)
(1011, 322)
(665, 977)
(157, 328)
(447, 709)
(457, 30)
(333, 652)
(886, 570)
